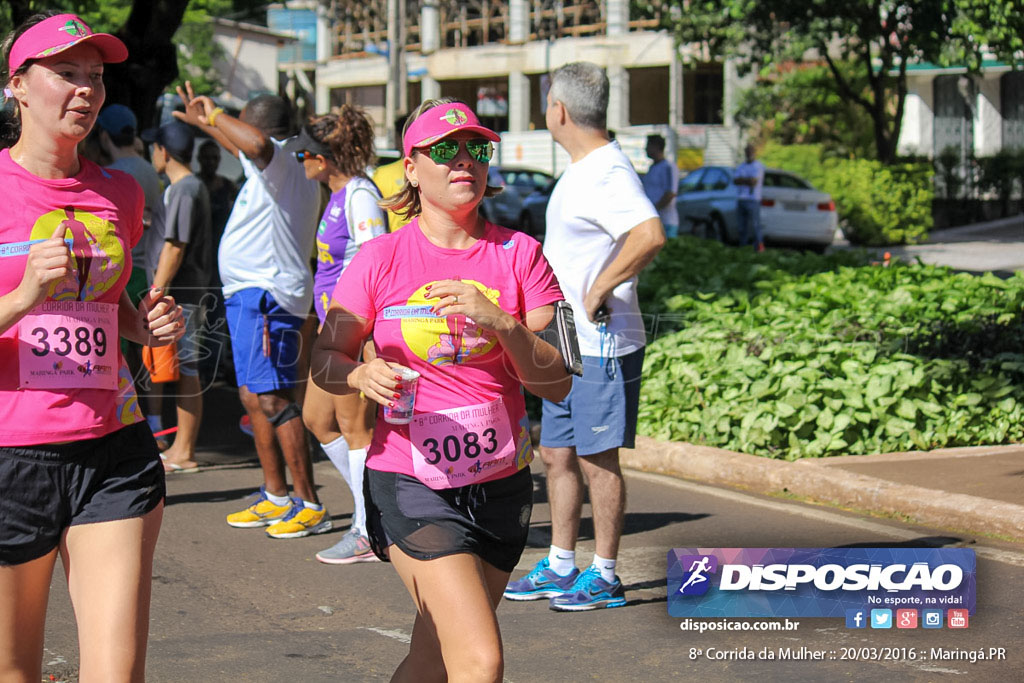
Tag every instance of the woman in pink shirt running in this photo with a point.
(457, 300)
(80, 474)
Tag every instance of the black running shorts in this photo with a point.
(489, 520)
(47, 488)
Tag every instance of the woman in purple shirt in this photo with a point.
(335, 149)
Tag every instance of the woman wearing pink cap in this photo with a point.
(457, 300)
(79, 470)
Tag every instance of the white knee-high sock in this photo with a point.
(356, 463)
(337, 451)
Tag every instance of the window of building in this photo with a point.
(1011, 88)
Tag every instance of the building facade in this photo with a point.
(496, 56)
(948, 109)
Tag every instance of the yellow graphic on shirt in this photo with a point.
(454, 339)
(128, 411)
(98, 257)
(323, 252)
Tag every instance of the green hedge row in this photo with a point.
(793, 355)
(878, 204)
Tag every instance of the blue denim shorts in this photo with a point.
(260, 367)
(600, 412)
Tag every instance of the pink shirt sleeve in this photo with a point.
(358, 285)
(536, 279)
(135, 226)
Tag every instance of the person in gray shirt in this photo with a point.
(118, 128)
(183, 268)
(117, 131)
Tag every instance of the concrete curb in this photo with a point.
(810, 480)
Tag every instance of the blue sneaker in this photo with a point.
(590, 592)
(542, 582)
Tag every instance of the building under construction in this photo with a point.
(496, 56)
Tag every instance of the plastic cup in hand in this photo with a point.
(401, 413)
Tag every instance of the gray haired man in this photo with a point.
(602, 230)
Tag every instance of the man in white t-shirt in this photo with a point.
(268, 288)
(748, 179)
(601, 232)
(660, 184)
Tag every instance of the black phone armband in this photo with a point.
(561, 333)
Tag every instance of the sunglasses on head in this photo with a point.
(304, 154)
(443, 151)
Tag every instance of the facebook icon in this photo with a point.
(856, 618)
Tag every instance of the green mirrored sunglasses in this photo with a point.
(443, 151)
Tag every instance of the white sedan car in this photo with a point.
(792, 211)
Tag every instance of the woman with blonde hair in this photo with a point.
(454, 300)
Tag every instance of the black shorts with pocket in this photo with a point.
(45, 489)
(489, 520)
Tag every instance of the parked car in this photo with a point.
(503, 208)
(792, 210)
(535, 206)
(524, 181)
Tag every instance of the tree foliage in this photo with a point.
(879, 37)
(168, 41)
(800, 105)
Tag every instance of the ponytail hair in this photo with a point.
(348, 133)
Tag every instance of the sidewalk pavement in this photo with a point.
(996, 246)
(980, 490)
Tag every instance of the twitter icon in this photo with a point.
(881, 618)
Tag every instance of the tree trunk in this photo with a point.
(152, 57)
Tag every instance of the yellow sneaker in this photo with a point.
(261, 513)
(301, 521)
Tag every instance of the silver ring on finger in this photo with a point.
(456, 299)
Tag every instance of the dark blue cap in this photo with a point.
(176, 137)
(117, 119)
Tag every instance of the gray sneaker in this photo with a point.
(352, 548)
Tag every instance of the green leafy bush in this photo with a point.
(877, 204)
(795, 355)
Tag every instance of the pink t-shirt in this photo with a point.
(103, 208)
(461, 365)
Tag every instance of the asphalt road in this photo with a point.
(234, 605)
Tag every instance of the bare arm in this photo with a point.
(334, 368)
(233, 134)
(171, 257)
(665, 200)
(538, 364)
(642, 244)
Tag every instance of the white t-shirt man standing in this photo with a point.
(601, 232)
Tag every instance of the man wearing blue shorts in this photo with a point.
(268, 289)
(601, 232)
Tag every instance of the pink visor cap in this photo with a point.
(60, 33)
(441, 121)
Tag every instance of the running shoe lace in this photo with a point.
(587, 579)
(294, 510)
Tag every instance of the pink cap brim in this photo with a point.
(428, 127)
(45, 40)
